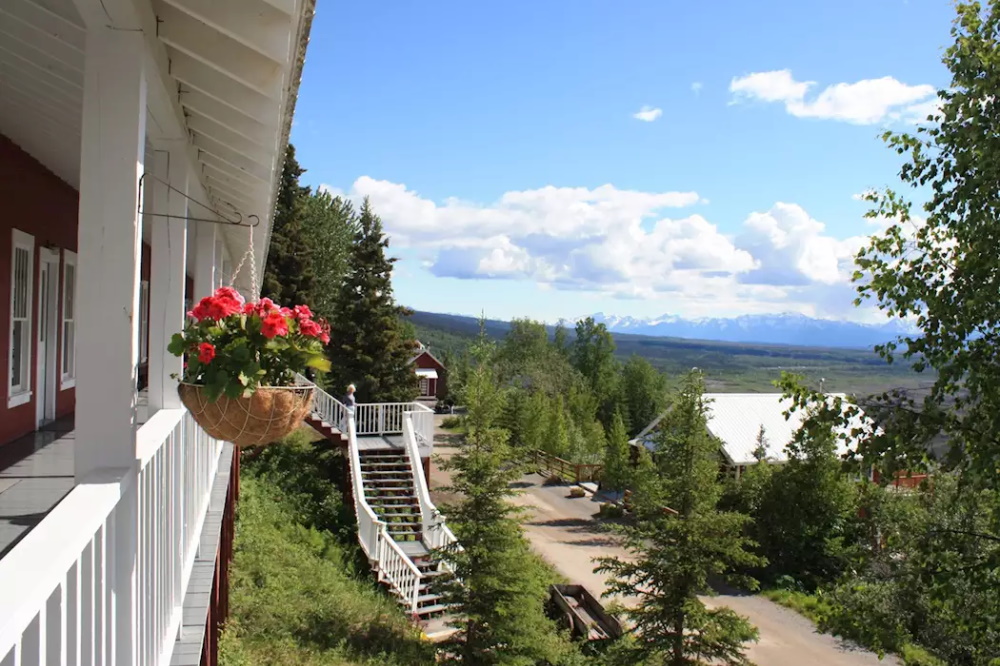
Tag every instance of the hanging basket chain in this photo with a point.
(254, 291)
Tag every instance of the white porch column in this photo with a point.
(168, 277)
(220, 279)
(204, 266)
(110, 245)
(111, 162)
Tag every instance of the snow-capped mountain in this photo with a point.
(788, 328)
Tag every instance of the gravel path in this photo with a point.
(563, 530)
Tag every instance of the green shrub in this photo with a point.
(914, 655)
(813, 606)
(611, 510)
(452, 423)
(866, 612)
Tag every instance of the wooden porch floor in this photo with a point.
(36, 472)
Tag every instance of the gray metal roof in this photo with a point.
(735, 419)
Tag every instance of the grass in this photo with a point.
(301, 593)
(815, 607)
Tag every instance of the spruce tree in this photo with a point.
(497, 591)
(672, 554)
(616, 456)
(368, 347)
(289, 275)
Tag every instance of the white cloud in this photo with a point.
(793, 249)
(648, 114)
(696, 87)
(864, 102)
(620, 243)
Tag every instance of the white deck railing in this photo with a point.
(101, 579)
(414, 421)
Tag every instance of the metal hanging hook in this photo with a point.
(222, 218)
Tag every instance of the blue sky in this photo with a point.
(554, 159)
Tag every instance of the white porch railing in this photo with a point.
(101, 579)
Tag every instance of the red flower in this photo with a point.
(230, 294)
(324, 335)
(224, 302)
(309, 328)
(249, 308)
(206, 352)
(303, 312)
(274, 324)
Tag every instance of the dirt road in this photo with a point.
(563, 531)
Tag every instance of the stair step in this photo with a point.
(424, 598)
(429, 610)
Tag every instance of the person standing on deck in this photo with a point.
(350, 403)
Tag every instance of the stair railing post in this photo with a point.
(381, 419)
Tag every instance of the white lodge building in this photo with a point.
(131, 133)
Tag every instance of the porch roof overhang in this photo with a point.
(223, 78)
(427, 373)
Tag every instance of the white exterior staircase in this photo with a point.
(398, 525)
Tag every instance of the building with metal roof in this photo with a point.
(735, 419)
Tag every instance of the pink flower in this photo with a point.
(206, 352)
(303, 312)
(274, 324)
(265, 306)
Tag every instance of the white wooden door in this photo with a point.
(48, 297)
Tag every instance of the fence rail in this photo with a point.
(110, 563)
(566, 470)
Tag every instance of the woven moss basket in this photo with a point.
(268, 415)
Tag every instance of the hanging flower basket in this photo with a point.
(264, 417)
(241, 361)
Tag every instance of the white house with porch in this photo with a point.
(141, 145)
(141, 148)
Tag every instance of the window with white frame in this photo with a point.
(21, 296)
(143, 321)
(68, 379)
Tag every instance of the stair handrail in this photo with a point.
(371, 529)
(436, 532)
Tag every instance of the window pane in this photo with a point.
(16, 353)
(70, 288)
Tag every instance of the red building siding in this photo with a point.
(427, 361)
(35, 201)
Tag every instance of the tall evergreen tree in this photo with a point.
(497, 592)
(671, 557)
(289, 276)
(368, 347)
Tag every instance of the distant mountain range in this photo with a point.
(785, 329)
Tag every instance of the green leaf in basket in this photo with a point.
(176, 346)
(319, 363)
